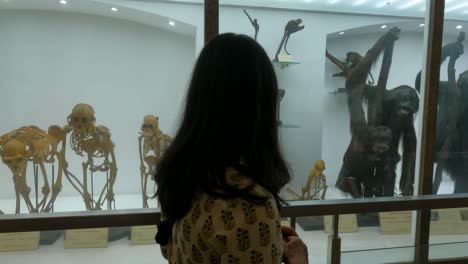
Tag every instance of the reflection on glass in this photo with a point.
(452, 117)
(449, 227)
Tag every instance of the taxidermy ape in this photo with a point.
(291, 27)
(452, 121)
(254, 23)
(369, 163)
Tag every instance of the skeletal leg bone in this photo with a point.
(45, 188)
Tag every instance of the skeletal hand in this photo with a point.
(57, 188)
(45, 190)
(110, 196)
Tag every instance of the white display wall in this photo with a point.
(51, 61)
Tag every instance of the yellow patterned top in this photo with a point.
(228, 231)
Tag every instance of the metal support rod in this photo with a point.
(336, 224)
(92, 185)
(334, 242)
(293, 222)
(211, 19)
(53, 183)
(431, 74)
(36, 183)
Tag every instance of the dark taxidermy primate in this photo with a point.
(254, 23)
(291, 27)
(452, 122)
(370, 161)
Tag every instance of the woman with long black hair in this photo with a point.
(218, 182)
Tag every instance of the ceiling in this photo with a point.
(101, 8)
(451, 29)
(455, 9)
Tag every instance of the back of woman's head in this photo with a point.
(229, 120)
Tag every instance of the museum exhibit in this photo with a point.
(371, 118)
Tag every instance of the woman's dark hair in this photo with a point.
(230, 119)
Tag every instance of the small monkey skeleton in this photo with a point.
(30, 143)
(93, 142)
(152, 143)
(316, 181)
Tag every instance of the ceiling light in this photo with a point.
(114, 9)
(333, 1)
(459, 27)
(172, 23)
(341, 33)
(421, 25)
(63, 2)
(410, 4)
(383, 26)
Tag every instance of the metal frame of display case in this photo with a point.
(422, 203)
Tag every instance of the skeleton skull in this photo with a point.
(82, 118)
(150, 125)
(15, 155)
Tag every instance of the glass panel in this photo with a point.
(79, 80)
(105, 245)
(451, 168)
(384, 255)
(331, 57)
(451, 144)
(448, 250)
(314, 112)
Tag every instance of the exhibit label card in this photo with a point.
(143, 235)
(86, 238)
(392, 223)
(19, 241)
(347, 224)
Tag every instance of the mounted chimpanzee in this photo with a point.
(370, 161)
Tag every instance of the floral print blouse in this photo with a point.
(232, 231)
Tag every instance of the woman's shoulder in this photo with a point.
(259, 203)
(236, 179)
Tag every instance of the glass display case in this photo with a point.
(92, 91)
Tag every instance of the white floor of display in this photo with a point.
(367, 238)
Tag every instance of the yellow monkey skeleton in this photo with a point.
(30, 143)
(93, 142)
(316, 181)
(152, 143)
